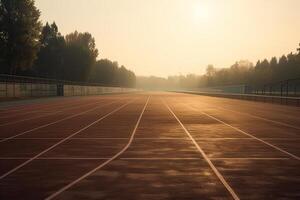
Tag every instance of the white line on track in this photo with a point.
(137, 138)
(57, 121)
(14, 108)
(139, 158)
(48, 114)
(257, 158)
(5, 117)
(106, 162)
(54, 158)
(215, 170)
(59, 138)
(255, 116)
(166, 158)
(61, 141)
(252, 136)
(39, 111)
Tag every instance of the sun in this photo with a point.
(201, 12)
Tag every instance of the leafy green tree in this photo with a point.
(19, 35)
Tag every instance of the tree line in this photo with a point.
(29, 48)
(262, 73)
(240, 73)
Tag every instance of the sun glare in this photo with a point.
(202, 13)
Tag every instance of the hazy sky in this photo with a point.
(171, 37)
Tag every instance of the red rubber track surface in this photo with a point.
(149, 146)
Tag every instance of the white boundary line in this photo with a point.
(255, 116)
(248, 134)
(61, 141)
(145, 158)
(215, 170)
(49, 114)
(13, 109)
(59, 138)
(140, 138)
(39, 111)
(57, 121)
(106, 162)
(252, 158)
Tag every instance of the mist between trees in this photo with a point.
(241, 72)
(30, 49)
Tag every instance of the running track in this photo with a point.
(149, 146)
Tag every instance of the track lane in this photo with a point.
(61, 141)
(241, 163)
(60, 170)
(212, 166)
(148, 170)
(29, 126)
(57, 110)
(160, 162)
(285, 115)
(55, 194)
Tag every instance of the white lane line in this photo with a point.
(32, 112)
(59, 138)
(25, 106)
(196, 158)
(55, 158)
(61, 141)
(255, 116)
(280, 158)
(57, 121)
(39, 111)
(140, 158)
(252, 136)
(49, 114)
(106, 162)
(215, 170)
(136, 138)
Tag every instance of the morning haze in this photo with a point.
(149, 99)
(161, 37)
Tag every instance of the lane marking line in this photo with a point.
(252, 136)
(49, 114)
(106, 162)
(59, 138)
(215, 170)
(55, 158)
(254, 116)
(251, 158)
(141, 158)
(39, 111)
(136, 138)
(58, 143)
(13, 108)
(57, 121)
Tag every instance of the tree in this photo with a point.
(19, 34)
(80, 56)
(50, 61)
(109, 73)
